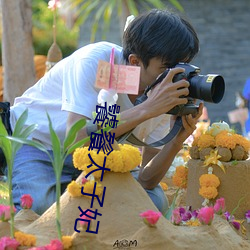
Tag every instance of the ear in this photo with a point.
(134, 60)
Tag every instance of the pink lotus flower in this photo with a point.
(8, 243)
(176, 217)
(219, 206)
(5, 212)
(55, 245)
(54, 4)
(26, 201)
(206, 215)
(150, 217)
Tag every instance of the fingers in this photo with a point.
(190, 121)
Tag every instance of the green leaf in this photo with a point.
(24, 134)
(20, 123)
(32, 143)
(77, 145)
(56, 147)
(177, 5)
(5, 144)
(132, 7)
(172, 207)
(71, 136)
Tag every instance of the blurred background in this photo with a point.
(27, 34)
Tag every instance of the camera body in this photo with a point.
(209, 88)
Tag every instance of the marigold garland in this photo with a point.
(206, 141)
(180, 177)
(67, 242)
(208, 192)
(24, 239)
(75, 188)
(123, 160)
(209, 180)
(226, 140)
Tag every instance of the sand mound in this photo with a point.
(234, 185)
(121, 226)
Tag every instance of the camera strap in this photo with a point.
(131, 138)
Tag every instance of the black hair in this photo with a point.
(161, 34)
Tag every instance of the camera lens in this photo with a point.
(209, 88)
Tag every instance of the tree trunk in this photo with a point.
(17, 47)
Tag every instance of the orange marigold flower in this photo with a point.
(242, 141)
(67, 242)
(209, 180)
(180, 177)
(225, 139)
(206, 141)
(24, 239)
(164, 186)
(208, 192)
(195, 141)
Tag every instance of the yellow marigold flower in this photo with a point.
(28, 240)
(89, 187)
(74, 189)
(67, 242)
(182, 171)
(209, 180)
(206, 141)
(242, 141)
(115, 161)
(195, 141)
(225, 139)
(180, 177)
(164, 186)
(123, 160)
(208, 192)
(193, 223)
(131, 157)
(80, 158)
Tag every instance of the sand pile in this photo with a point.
(121, 225)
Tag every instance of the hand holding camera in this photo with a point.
(209, 88)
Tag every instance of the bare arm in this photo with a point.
(152, 172)
(165, 96)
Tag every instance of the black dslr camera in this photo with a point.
(209, 88)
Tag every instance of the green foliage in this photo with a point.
(42, 19)
(60, 152)
(4, 193)
(10, 148)
(102, 11)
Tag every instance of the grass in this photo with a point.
(4, 193)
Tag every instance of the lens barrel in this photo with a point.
(209, 88)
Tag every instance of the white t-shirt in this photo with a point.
(69, 86)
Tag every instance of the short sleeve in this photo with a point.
(78, 93)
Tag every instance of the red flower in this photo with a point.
(219, 206)
(206, 215)
(5, 212)
(150, 217)
(26, 201)
(8, 243)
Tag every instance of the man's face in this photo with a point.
(148, 75)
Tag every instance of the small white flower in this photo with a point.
(110, 96)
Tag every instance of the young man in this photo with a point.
(154, 41)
